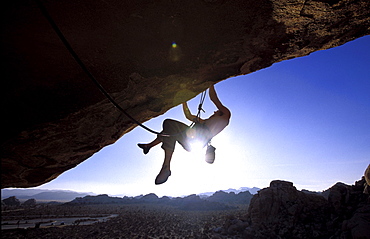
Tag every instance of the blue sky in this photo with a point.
(305, 120)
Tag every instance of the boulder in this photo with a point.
(12, 201)
(29, 203)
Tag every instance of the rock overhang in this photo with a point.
(57, 118)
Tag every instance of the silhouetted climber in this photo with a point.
(203, 131)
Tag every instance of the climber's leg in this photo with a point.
(170, 127)
(165, 170)
(147, 147)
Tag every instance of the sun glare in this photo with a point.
(192, 174)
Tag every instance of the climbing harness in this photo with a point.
(95, 81)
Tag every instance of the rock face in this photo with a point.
(149, 55)
(286, 212)
(281, 211)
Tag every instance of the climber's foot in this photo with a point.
(144, 147)
(163, 175)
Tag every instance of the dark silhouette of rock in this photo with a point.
(281, 211)
(29, 203)
(99, 199)
(350, 210)
(150, 198)
(231, 197)
(12, 201)
(56, 117)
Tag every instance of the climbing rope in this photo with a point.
(200, 108)
(95, 81)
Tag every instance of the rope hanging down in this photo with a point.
(200, 108)
(89, 74)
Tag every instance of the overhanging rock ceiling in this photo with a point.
(55, 117)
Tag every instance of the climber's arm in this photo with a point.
(214, 98)
(187, 112)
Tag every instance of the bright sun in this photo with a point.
(192, 174)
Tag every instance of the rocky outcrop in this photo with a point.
(11, 201)
(284, 211)
(29, 203)
(99, 199)
(350, 210)
(150, 56)
(231, 198)
(281, 211)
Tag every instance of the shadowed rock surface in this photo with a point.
(55, 117)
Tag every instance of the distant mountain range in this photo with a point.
(67, 195)
(218, 201)
(42, 194)
(253, 191)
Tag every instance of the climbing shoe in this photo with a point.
(144, 147)
(210, 154)
(163, 175)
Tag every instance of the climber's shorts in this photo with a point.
(177, 130)
(183, 134)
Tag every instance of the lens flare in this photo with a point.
(197, 146)
(175, 53)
